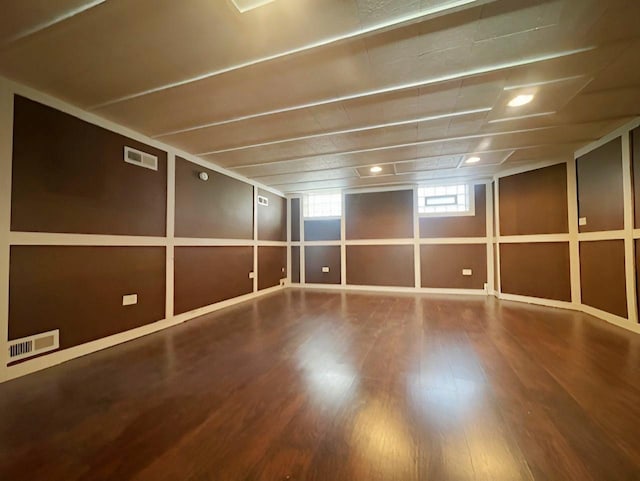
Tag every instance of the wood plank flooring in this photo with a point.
(332, 386)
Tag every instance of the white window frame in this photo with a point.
(305, 198)
(471, 210)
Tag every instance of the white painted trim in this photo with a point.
(50, 239)
(94, 119)
(519, 239)
(170, 240)
(364, 128)
(619, 132)
(421, 15)
(453, 240)
(343, 239)
(574, 245)
(379, 242)
(521, 169)
(496, 202)
(629, 244)
(289, 245)
(323, 243)
(197, 241)
(601, 235)
(6, 148)
(376, 189)
(417, 261)
(65, 355)
(489, 237)
(394, 289)
(256, 213)
(537, 300)
(610, 318)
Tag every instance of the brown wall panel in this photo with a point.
(381, 265)
(538, 269)
(272, 265)
(459, 226)
(295, 220)
(322, 229)
(534, 202)
(272, 219)
(317, 257)
(295, 264)
(602, 276)
(635, 156)
(379, 215)
(220, 208)
(600, 197)
(69, 176)
(79, 290)
(206, 275)
(442, 265)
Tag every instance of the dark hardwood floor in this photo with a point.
(312, 385)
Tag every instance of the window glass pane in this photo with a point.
(322, 205)
(443, 198)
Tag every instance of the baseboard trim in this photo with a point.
(59, 357)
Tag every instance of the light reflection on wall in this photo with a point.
(330, 378)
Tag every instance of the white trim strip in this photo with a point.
(537, 300)
(350, 131)
(601, 235)
(393, 289)
(59, 357)
(371, 93)
(610, 318)
(421, 15)
(48, 238)
(453, 240)
(522, 239)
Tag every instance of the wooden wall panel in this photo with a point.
(206, 275)
(220, 208)
(322, 229)
(317, 257)
(534, 202)
(295, 264)
(380, 265)
(295, 220)
(459, 226)
(602, 276)
(79, 290)
(272, 219)
(442, 265)
(379, 215)
(272, 266)
(600, 198)
(536, 270)
(635, 158)
(70, 176)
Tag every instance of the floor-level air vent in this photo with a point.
(33, 345)
(141, 159)
(262, 200)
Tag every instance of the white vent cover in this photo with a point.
(33, 345)
(141, 159)
(262, 200)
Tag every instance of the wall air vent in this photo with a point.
(141, 159)
(262, 200)
(34, 345)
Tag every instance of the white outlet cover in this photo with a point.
(467, 272)
(582, 221)
(325, 269)
(252, 275)
(130, 299)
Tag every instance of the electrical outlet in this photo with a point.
(467, 272)
(582, 221)
(252, 275)
(130, 299)
(325, 269)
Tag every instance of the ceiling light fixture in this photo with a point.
(246, 5)
(521, 100)
(472, 160)
(376, 169)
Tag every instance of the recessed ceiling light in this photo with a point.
(521, 100)
(472, 160)
(246, 5)
(376, 169)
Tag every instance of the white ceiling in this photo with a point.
(306, 94)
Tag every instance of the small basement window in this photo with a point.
(322, 205)
(445, 200)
